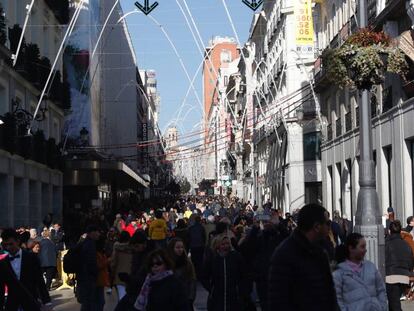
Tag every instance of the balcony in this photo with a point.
(259, 134)
(321, 80)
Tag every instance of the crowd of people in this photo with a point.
(245, 257)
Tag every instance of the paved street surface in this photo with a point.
(64, 300)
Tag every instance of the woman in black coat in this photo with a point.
(224, 277)
(183, 269)
(161, 290)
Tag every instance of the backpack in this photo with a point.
(72, 262)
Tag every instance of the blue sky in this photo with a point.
(154, 52)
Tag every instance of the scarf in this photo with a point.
(142, 300)
(356, 268)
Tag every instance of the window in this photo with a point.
(3, 101)
(338, 187)
(226, 80)
(313, 192)
(332, 187)
(225, 56)
(349, 165)
(388, 158)
(312, 146)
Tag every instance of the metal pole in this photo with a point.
(368, 215)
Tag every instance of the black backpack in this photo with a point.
(72, 262)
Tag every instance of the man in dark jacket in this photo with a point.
(17, 292)
(197, 243)
(86, 278)
(299, 273)
(399, 263)
(26, 268)
(257, 249)
(57, 236)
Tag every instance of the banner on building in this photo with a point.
(304, 27)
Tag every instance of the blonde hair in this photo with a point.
(218, 240)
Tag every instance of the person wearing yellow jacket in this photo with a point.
(158, 230)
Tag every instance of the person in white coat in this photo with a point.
(358, 283)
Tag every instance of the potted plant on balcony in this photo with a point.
(363, 60)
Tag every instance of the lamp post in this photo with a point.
(368, 216)
(84, 136)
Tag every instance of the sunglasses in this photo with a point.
(157, 263)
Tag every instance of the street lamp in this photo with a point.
(84, 136)
(368, 220)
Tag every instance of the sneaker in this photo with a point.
(109, 291)
(403, 298)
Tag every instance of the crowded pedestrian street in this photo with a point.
(218, 155)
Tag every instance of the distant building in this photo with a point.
(185, 161)
(219, 54)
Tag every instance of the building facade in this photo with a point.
(185, 160)
(392, 109)
(30, 179)
(105, 169)
(286, 133)
(220, 52)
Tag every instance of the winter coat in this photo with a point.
(257, 249)
(399, 259)
(408, 238)
(87, 277)
(103, 274)
(48, 253)
(224, 279)
(197, 236)
(58, 236)
(121, 261)
(167, 294)
(300, 278)
(186, 274)
(360, 292)
(158, 229)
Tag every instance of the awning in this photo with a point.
(95, 173)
